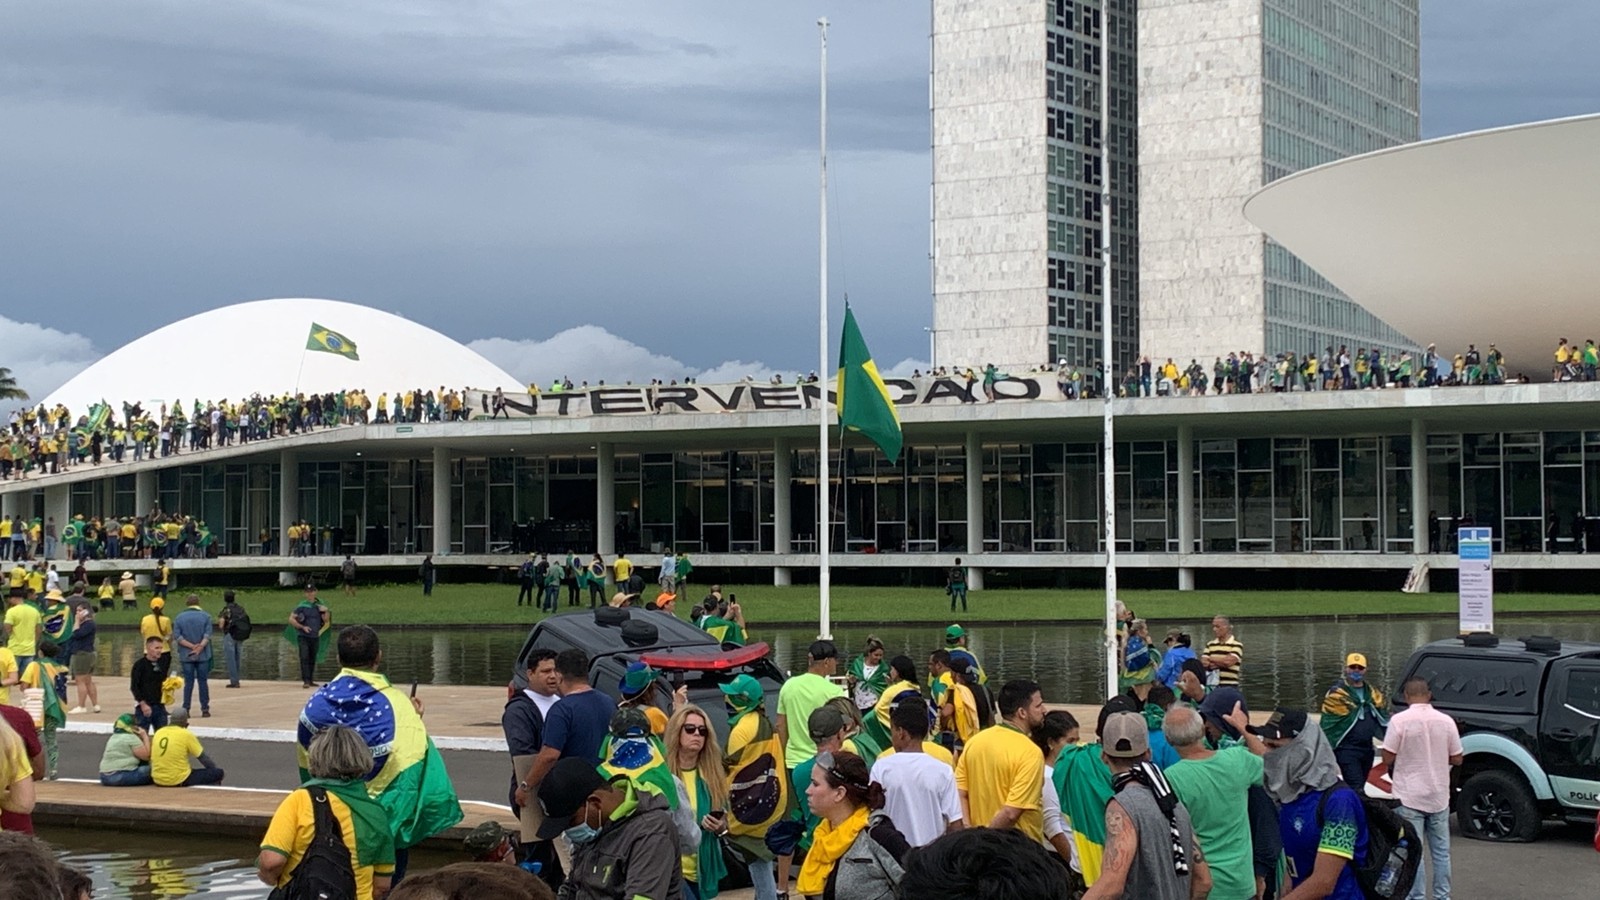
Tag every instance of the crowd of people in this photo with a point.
(862, 779)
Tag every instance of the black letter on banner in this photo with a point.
(562, 399)
(729, 404)
(1030, 389)
(617, 400)
(908, 391)
(947, 387)
(785, 397)
(673, 395)
(812, 392)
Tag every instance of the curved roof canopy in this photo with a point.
(259, 347)
(1488, 237)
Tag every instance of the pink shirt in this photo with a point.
(1422, 740)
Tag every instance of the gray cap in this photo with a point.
(824, 722)
(1125, 736)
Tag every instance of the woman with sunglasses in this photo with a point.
(696, 759)
(856, 851)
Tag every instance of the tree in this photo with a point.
(9, 389)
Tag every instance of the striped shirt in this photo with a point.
(1227, 676)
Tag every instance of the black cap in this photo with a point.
(564, 789)
(823, 650)
(1283, 725)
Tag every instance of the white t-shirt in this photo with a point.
(1054, 822)
(919, 795)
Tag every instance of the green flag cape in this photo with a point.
(56, 623)
(292, 634)
(42, 675)
(1083, 781)
(326, 340)
(374, 843)
(863, 399)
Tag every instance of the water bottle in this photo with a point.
(1389, 878)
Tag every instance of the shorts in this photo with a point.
(82, 663)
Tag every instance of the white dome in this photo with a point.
(259, 347)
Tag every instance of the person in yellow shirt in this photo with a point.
(170, 750)
(22, 625)
(5, 532)
(10, 674)
(18, 574)
(36, 579)
(16, 773)
(1000, 775)
(337, 759)
(157, 625)
(623, 568)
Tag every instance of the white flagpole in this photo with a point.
(1107, 334)
(824, 469)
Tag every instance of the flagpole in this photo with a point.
(824, 468)
(1108, 355)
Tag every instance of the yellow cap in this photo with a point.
(1356, 659)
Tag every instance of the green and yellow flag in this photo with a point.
(863, 399)
(329, 341)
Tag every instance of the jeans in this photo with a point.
(1355, 761)
(196, 672)
(156, 719)
(22, 662)
(204, 775)
(308, 657)
(763, 881)
(552, 592)
(232, 652)
(1434, 829)
(131, 778)
(525, 589)
(49, 547)
(958, 592)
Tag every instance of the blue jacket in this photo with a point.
(1172, 666)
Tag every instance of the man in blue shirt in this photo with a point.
(1178, 650)
(1323, 824)
(191, 632)
(576, 725)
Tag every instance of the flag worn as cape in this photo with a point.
(1083, 781)
(324, 636)
(56, 624)
(642, 760)
(326, 340)
(863, 399)
(42, 676)
(374, 843)
(408, 777)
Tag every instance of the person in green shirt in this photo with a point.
(1214, 785)
(802, 694)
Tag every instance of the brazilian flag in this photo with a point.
(863, 399)
(329, 341)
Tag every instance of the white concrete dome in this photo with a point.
(259, 347)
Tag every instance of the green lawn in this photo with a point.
(480, 604)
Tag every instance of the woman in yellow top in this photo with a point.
(107, 595)
(696, 759)
(16, 773)
(157, 625)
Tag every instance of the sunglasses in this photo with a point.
(696, 729)
(825, 763)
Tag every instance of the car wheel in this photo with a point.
(1497, 806)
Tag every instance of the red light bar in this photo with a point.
(707, 661)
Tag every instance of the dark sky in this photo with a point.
(643, 174)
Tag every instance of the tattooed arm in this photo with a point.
(1122, 844)
(1199, 874)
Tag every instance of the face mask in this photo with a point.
(1356, 676)
(582, 834)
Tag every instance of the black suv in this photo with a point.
(1529, 714)
(613, 638)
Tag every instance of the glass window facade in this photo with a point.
(1340, 77)
(1075, 179)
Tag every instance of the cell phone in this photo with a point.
(716, 813)
(677, 680)
(413, 688)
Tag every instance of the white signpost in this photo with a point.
(1475, 557)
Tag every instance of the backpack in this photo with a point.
(239, 626)
(326, 871)
(348, 569)
(526, 572)
(1385, 831)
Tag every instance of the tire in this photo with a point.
(1496, 805)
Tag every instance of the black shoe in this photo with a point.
(205, 713)
(233, 685)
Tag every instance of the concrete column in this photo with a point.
(144, 492)
(9, 502)
(605, 499)
(442, 519)
(1419, 494)
(58, 505)
(782, 526)
(1186, 503)
(108, 496)
(974, 510)
(288, 497)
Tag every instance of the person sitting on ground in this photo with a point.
(171, 748)
(473, 879)
(339, 761)
(994, 864)
(126, 759)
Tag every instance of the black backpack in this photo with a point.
(326, 871)
(239, 627)
(1385, 831)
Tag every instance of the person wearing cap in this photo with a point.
(825, 726)
(1420, 748)
(1150, 851)
(1214, 787)
(129, 589)
(1224, 655)
(1322, 821)
(22, 627)
(1354, 713)
(802, 694)
(1000, 774)
(1179, 650)
(754, 751)
(638, 690)
(171, 747)
(624, 844)
(955, 641)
